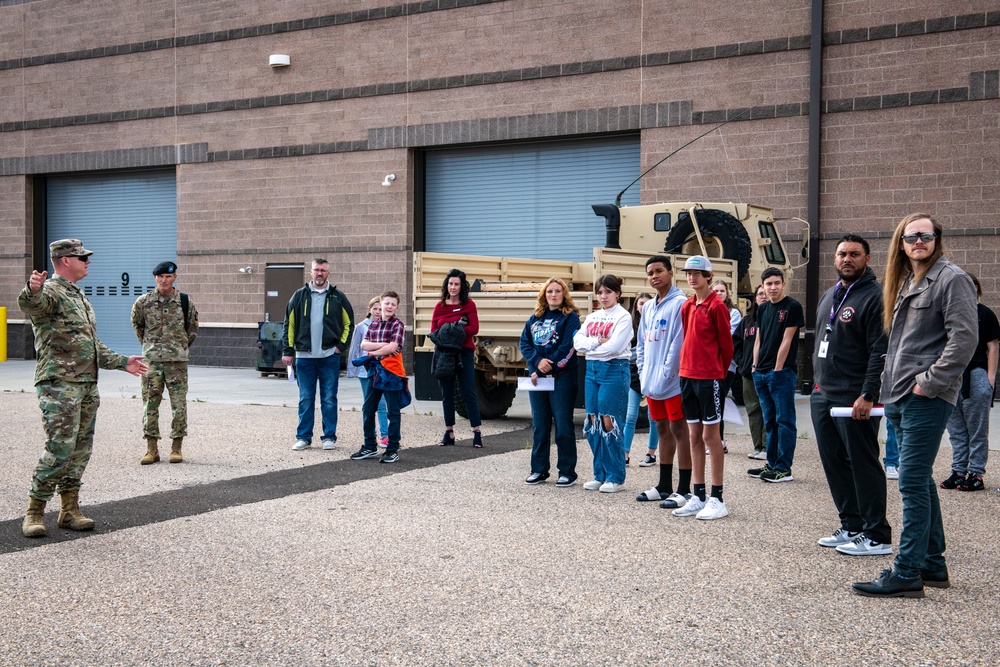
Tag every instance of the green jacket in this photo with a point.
(338, 321)
(66, 341)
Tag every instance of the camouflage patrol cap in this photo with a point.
(68, 248)
(164, 267)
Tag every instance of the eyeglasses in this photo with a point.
(926, 237)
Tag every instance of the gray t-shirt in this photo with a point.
(316, 326)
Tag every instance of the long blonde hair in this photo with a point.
(543, 304)
(898, 266)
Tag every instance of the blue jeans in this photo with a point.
(548, 407)
(327, 372)
(919, 423)
(631, 417)
(776, 393)
(891, 446)
(605, 394)
(466, 376)
(368, 410)
(383, 419)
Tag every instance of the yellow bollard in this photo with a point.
(3, 333)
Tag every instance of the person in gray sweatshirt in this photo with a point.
(658, 357)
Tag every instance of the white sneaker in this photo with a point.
(759, 456)
(611, 487)
(862, 546)
(840, 536)
(300, 445)
(593, 485)
(891, 472)
(329, 444)
(714, 509)
(691, 508)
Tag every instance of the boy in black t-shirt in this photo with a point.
(774, 375)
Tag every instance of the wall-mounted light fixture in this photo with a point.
(279, 60)
(389, 178)
(246, 269)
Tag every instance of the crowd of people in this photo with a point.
(919, 343)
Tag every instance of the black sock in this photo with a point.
(684, 481)
(666, 484)
(699, 490)
(717, 492)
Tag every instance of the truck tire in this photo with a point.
(729, 234)
(495, 398)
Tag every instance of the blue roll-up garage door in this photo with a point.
(130, 222)
(528, 200)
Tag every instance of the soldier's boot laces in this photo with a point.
(34, 521)
(175, 451)
(152, 453)
(70, 515)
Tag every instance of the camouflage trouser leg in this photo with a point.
(69, 414)
(173, 376)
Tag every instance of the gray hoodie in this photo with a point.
(658, 349)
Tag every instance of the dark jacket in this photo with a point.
(296, 335)
(550, 337)
(448, 341)
(856, 341)
(743, 341)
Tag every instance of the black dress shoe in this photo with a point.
(936, 578)
(890, 585)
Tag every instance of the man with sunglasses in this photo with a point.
(929, 310)
(69, 355)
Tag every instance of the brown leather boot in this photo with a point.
(152, 453)
(34, 522)
(70, 515)
(175, 450)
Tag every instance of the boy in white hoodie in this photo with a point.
(658, 356)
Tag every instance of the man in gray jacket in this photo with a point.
(930, 314)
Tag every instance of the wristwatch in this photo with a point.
(868, 397)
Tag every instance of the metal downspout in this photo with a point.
(813, 185)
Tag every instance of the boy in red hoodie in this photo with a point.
(705, 357)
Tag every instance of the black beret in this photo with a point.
(164, 267)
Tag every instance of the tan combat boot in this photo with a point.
(70, 515)
(175, 450)
(34, 522)
(152, 453)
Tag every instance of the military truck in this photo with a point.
(740, 239)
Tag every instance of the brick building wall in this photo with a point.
(278, 166)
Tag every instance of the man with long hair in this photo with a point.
(929, 313)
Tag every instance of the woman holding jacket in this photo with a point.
(547, 347)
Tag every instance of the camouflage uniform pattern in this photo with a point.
(158, 322)
(69, 356)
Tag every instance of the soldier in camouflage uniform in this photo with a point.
(166, 323)
(69, 355)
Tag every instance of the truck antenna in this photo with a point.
(618, 199)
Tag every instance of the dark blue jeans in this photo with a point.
(368, 410)
(466, 376)
(919, 423)
(554, 406)
(776, 393)
(327, 372)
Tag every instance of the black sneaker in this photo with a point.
(389, 457)
(757, 472)
(890, 585)
(953, 481)
(364, 454)
(973, 482)
(536, 478)
(777, 476)
(565, 481)
(649, 460)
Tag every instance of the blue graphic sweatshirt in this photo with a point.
(550, 337)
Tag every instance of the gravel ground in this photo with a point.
(460, 563)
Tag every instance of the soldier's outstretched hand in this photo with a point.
(36, 280)
(135, 365)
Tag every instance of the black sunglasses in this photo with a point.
(926, 237)
(82, 258)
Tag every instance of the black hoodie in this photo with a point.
(855, 355)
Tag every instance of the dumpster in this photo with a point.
(270, 345)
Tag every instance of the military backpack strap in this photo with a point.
(184, 308)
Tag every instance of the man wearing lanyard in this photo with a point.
(847, 369)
